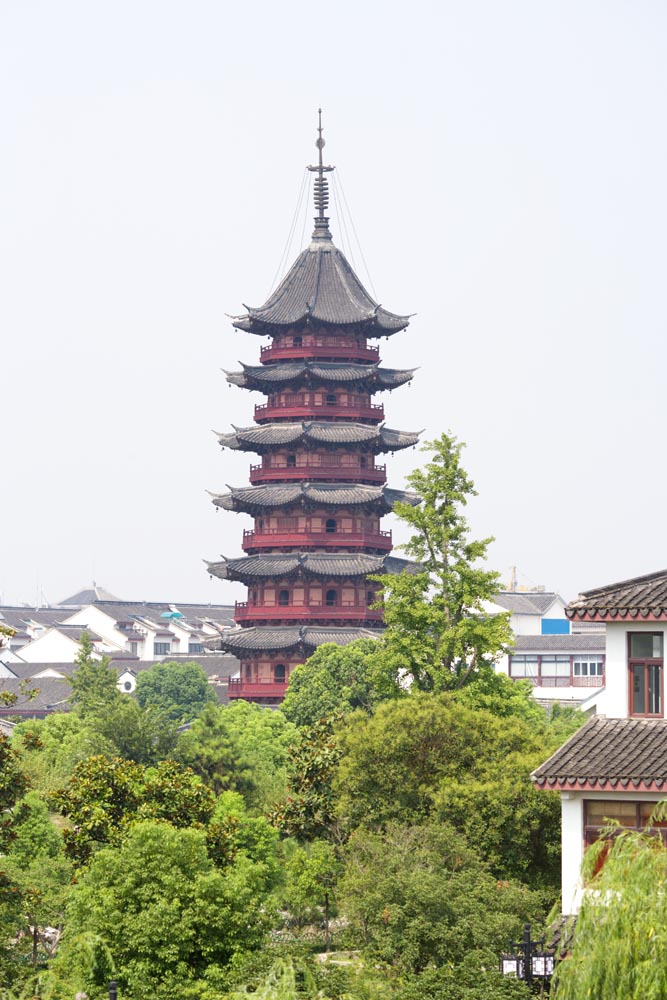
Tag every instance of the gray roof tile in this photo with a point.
(610, 754)
(321, 286)
(267, 436)
(253, 498)
(292, 637)
(643, 597)
(296, 373)
(324, 565)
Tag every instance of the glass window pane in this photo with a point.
(638, 690)
(598, 812)
(562, 666)
(654, 674)
(645, 645)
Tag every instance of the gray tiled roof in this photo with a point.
(324, 565)
(591, 642)
(643, 597)
(193, 614)
(88, 596)
(522, 603)
(251, 498)
(321, 286)
(53, 694)
(612, 754)
(267, 436)
(266, 377)
(289, 637)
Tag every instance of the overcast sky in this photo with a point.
(505, 165)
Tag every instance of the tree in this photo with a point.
(94, 682)
(619, 946)
(37, 867)
(439, 631)
(180, 690)
(170, 920)
(307, 812)
(420, 897)
(240, 747)
(105, 796)
(429, 756)
(337, 679)
(312, 875)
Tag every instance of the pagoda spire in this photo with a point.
(321, 194)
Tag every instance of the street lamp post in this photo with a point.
(528, 960)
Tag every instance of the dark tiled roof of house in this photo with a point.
(52, 695)
(321, 287)
(533, 603)
(610, 755)
(643, 598)
(304, 495)
(298, 373)
(592, 642)
(304, 565)
(267, 436)
(289, 637)
(88, 596)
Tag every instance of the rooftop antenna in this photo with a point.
(321, 187)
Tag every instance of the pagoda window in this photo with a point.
(331, 598)
(331, 399)
(646, 673)
(291, 461)
(280, 673)
(297, 341)
(331, 526)
(370, 598)
(283, 598)
(362, 461)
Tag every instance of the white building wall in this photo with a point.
(526, 624)
(572, 839)
(100, 622)
(614, 702)
(52, 647)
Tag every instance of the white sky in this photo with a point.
(505, 165)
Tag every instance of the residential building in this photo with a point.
(615, 766)
(561, 660)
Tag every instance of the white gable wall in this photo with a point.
(52, 647)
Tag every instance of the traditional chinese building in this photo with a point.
(318, 493)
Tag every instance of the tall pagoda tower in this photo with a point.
(318, 494)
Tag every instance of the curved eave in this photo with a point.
(308, 566)
(269, 378)
(287, 638)
(378, 439)
(251, 499)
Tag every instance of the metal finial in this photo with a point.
(321, 192)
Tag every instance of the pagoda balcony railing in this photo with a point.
(323, 347)
(296, 405)
(237, 688)
(311, 471)
(344, 610)
(270, 538)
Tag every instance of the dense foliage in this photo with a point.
(385, 814)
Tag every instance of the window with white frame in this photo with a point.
(524, 665)
(161, 648)
(588, 665)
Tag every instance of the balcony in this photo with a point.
(322, 348)
(255, 689)
(548, 681)
(295, 406)
(318, 473)
(244, 612)
(295, 538)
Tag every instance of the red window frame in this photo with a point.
(647, 662)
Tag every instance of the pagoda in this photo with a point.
(318, 494)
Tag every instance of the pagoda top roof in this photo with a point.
(258, 438)
(307, 565)
(265, 377)
(257, 498)
(290, 637)
(321, 287)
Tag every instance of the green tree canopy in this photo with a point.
(169, 919)
(419, 896)
(240, 747)
(337, 679)
(94, 682)
(439, 631)
(429, 756)
(179, 690)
